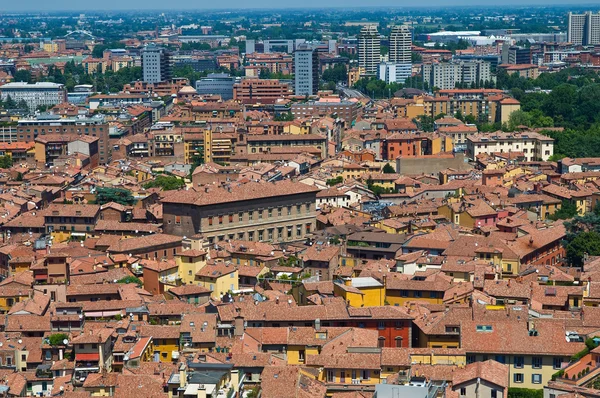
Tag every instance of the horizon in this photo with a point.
(73, 6)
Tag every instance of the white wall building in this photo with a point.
(35, 95)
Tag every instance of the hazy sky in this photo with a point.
(76, 5)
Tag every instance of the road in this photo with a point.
(351, 93)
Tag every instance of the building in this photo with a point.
(306, 70)
(391, 72)
(515, 55)
(583, 29)
(400, 42)
(40, 94)
(216, 84)
(69, 129)
(347, 110)
(534, 146)
(260, 91)
(369, 49)
(66, 222)
(272, 62)
(156, 64)
(445, 75)
(255, 211)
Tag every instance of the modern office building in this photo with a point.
(445, 75)
(394, 73)
(369, 49)
(156, 64)
(400, 45)
(583, 29)
(216, 83)
(260, 91)
(35, 95)
(306, 70)
(515, 55)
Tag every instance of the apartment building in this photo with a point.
(256, 211)
(306, 70)
(337, 107)
(446, 75)
(272, 62)
(533, 145)
(265, 142)
(369, 44)
(31, 128)
(260, 91)
(70, 221)
(156, 64)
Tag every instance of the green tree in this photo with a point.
(57, 339)
(117, 195)
(567, 210)
(6, 162)
(518, 118)
(388, 169)
(166, 182)
(284, 117)
(131, 279)
(10, 103)
(582, 244)
(335, 181)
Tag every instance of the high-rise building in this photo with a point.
(369, 49)
(156, 64)
(306, 70)
(400, 45)
(584, 29)
(515, 55)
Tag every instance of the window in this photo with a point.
(261, 233)
(301, 356)
(231, 218)
(519, 362)
(366, 375)
(381, 325)
(398, 342)
(342, 377)
(289, 210)
(270, 213)
(501, 359)
(536, 378)
(94, 346)
(398, 324)
(518, 377)
(381, 342)
(557, 362)
(220, 220)
(210, 221)
(493, 394)
(240, 216)
(279, 211)
(330, 376)
(418, 293)
(250, 215)
(470, 359)
(536, 362)
(484, 328)
(463, 392)
(404, 293)
(177, 220)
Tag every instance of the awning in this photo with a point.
(78, 234)
(100, 314)
(84, 356)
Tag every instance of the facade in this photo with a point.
(306, 70)
(156, 64)
(279, 211)
(533, 145)
(445, 75)
(35, 95)
(346, 110)
(583, 29)
(515, 55)
(216, 84)
(391, 72)
(369, 49)
(400, 45)
(255, 91)
(68, 128)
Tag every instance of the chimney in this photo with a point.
(182, 375)
(317, 324)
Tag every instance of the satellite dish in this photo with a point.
(19, 341)
(80, 316)
(65, 341)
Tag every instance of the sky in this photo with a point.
(77, 5)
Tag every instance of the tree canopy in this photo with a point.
(166, 182)
(117, 195)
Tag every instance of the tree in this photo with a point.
(131, 279)
(10, 103)
(284, 117)
(567, 210)
(57, 339)
(584, 243)
(6, 162)
(518, 118)
(117, 195)
(388, 169)
(23, 106)
(335, 181)
(167, 183)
